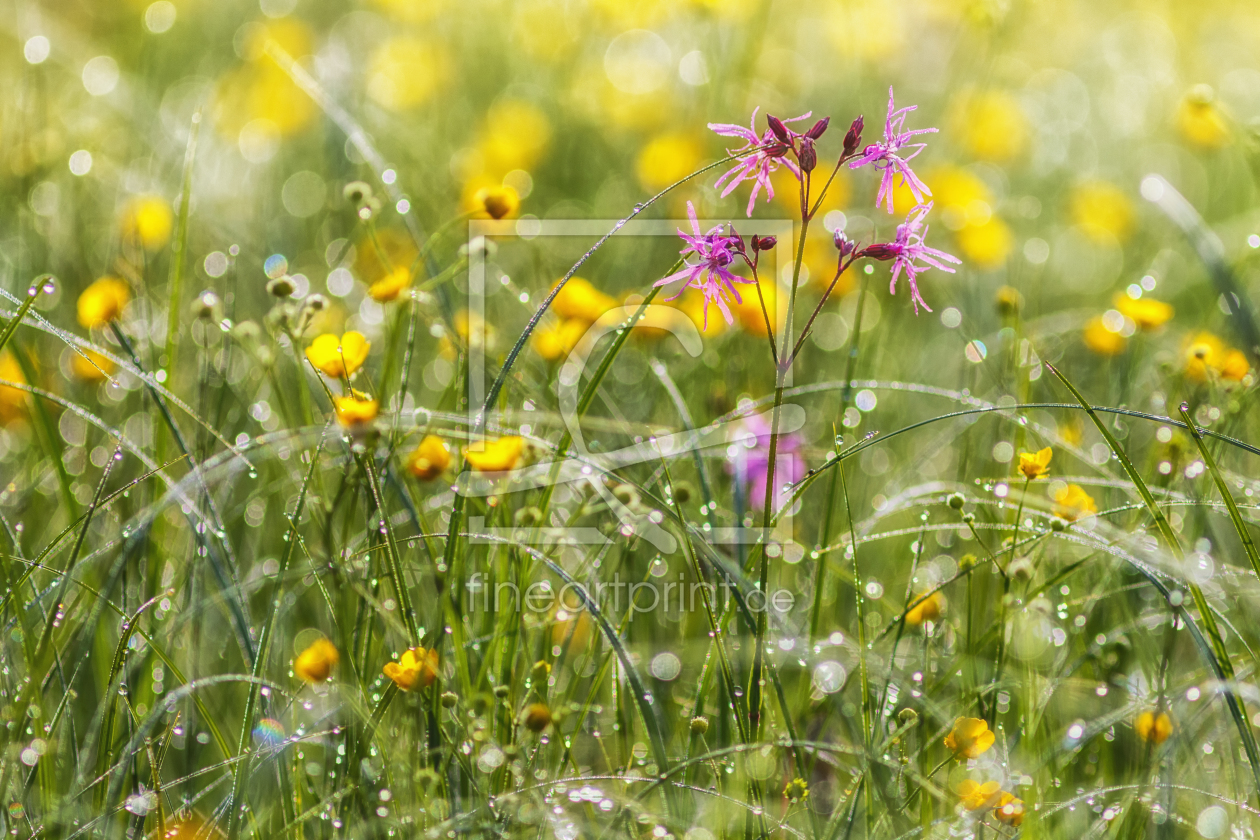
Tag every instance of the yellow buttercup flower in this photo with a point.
(1073, 503)
(667, 158)
(748, 313)
(1146, 312)
(391, 285)
(405, 72)
(355, 410)
(497, 202)
(558, 340)
(13, 401)
(1099, 338)
(416, 668)
(495, 455)
(1009, 810)
(1205, 353)
(970, 738)
(992, 126)
(472, 330)
(1035, 465)
(260, 89)
(1152, 727)
(1102, 211)
(147, 222)
(99, 368)
(396, 244)
(338, 357)
(581, 300)
(579, 623)
(1200, 120)
(536, 717)
(430, 459)
(315, 664)
(929, 609)
(515, 136)
(103, 301)
(976, 796)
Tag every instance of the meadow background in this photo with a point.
(230, 610)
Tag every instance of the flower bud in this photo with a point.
(957, 500)
(700, 724)
(818, 128)
(881, 251)
(908, 716)
(281, 287)
(807, 156)
(853, 136)
(449, 699)
(357, 192)
(738, 240)
(316, 303)
(540, 671)
(1021, 568)
(843, 243)
(778, 128)
(500, 691)
(969, 519)
(207, 305)
(764, 243)
(536, 717)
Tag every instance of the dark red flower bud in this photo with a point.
(739, 240)
(818, 129)
(807, 157)
(853, 136)
(779, 129)
(777, 151)
(881, 251)
(844, 244)
(764, 243)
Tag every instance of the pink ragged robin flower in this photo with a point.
(907, 248)
(889, 157)
(715, 251)
(760, 160)
(748, 459)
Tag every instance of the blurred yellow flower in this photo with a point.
(495, 455)
(748, 313)
(416, 668)
(497, 202)
(1009, 810)
(536, 717)
(515, 136)
(315, 664)
(99, 368)
(1008, 301)
(338, 357)
(957, 190)
(429, 459)
(1152, 727)
(405, 72)
(396, 244)
(13, 401)
(259, 89)
(975, 795)
(391, 285)
(992, 126)
(1200, 120)
(558, 339)
(580, 299)
(543, 29)
(970, 738)
(473, 331)
(1073, 503)
(103, 301)
(147, 221)
(928, 609)
(1102, 211)
(883, 33)
(1146, 312)
(986, 245)
(667, 158)
(355, 410)
(1206, 353)
(1099, 338)
(410, 11)
(578, 622)
(1034, 465)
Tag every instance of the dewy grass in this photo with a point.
(675, 525)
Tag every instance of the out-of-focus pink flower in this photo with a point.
(715, 251)
(760, 161)
(889, 155)
(748, 459)
(907, 248)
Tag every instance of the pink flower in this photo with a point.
(887, 156)
(749, 461)
(907, 248)
(710, 273)
(760, 161)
